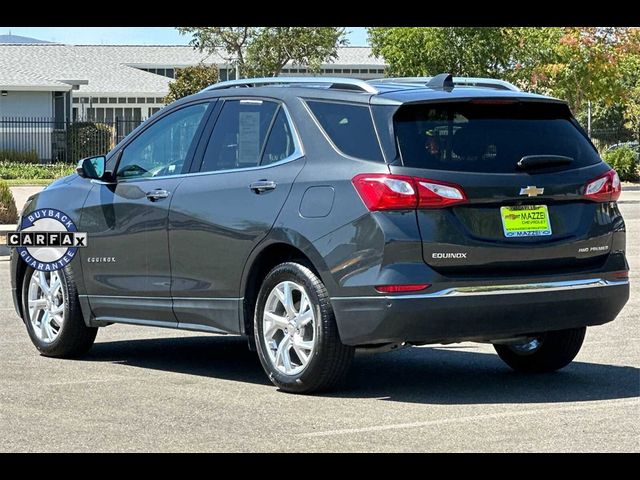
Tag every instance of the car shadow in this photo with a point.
(438, 375)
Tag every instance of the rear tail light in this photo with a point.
(399, 192)
(433, 195)
(605, 188)
(622, 274)
(386, 192)
(402, 288)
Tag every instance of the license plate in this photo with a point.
(525, 221)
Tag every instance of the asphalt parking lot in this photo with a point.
(143, 389)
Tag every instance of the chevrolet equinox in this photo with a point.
(315, 216)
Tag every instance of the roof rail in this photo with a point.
(457, 81)
(334, 82)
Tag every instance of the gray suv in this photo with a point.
(315, 216)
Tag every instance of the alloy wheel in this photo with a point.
(46, 304)
(289, 325)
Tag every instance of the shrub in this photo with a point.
(8, 212)
(190, 80)
(29, 171)
(625, 161)
(30, 156)
(86, 139)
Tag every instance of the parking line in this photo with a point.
(488, 416)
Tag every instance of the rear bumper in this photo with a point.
(485, 312)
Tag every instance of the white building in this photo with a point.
(105, 82)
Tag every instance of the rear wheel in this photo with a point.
(546, 352)
(52, 314)
(296, 334)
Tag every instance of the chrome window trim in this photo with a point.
(479, 290)
(298, 152)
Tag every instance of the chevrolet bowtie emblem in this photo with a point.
(531, 191)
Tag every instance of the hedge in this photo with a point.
(8, 212)
(30, 156)
(86, 139)
(15, 170)
(625, 161)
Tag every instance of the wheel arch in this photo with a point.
(279, 247)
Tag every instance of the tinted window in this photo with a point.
(481, 137)
(162, 148)
(349, 127)
(239, 135)
(280, 142)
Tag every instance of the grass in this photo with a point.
(39, 182)
(30, 171)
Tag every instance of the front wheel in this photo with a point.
(296, 333)
(51, 312)
(546, 352)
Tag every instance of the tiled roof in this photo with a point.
(49, 64)
(111, 69)
(357, 56)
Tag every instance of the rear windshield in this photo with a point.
(487, 137)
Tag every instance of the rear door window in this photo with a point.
(349, 127)
(488, 137)
(280, 144)
(239, 136)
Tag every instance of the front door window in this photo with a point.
(162, 149)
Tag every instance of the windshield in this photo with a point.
(485, 136)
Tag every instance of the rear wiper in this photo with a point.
(539, 161)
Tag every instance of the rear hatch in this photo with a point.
(522, 169)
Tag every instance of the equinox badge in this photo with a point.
(531, 191)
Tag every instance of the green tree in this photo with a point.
(585, 66)
(505, 52)
(630, 71)
(190, 80)
(578, 64)
(274, 47)
(266, 50)
(228, 42)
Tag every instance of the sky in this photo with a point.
(131, 35)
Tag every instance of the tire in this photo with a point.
(73, 337)
(329, 360)
(554, 351)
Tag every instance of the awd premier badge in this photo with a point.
(47, 239)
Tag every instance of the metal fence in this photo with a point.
(604, 138)
(50, 141)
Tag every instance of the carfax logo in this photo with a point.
(47, 239)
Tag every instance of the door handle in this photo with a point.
(262, 186)
(157, 194)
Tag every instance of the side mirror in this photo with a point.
(93, 167)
